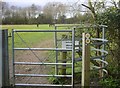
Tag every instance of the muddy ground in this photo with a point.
(32, 56)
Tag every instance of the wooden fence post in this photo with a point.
(63, 58)
(85, 60)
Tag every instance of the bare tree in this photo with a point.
(33, 9)
(114, 3)
(54, 9)
(74, 9)
(5, 9)
(4, 6)
(13, 10)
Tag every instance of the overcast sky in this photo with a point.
(37, 2)
(23, 3)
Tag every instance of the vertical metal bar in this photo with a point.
(13, 57)
(0, 58)
(73, 55)
(103, 36)
(103, 47)
(5, 58)
(56, 52)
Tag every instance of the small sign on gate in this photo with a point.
(68, 44)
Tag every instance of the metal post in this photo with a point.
(56, 58)
(73, 55)
(0, 58)
(13, 57)
(103, 47)
(4, 62)
(85, 60)
(5, 58)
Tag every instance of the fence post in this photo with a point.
(4, 65)
(56, 52)
(0, 58)
(63, 58)
(85, 60)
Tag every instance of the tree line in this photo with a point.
(52, 12)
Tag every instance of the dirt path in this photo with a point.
(36, 56)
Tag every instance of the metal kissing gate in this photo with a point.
(77, 47)
(56, 49)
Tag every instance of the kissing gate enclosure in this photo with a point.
(68, 55)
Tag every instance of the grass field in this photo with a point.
(31, 38)
(26, 27)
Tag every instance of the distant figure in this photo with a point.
(51, 24)
(37, 25)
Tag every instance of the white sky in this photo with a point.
(37, 2)
(23, 3)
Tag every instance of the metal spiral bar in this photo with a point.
(101, 58)
(94, 42)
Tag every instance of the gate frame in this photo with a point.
(42, 49)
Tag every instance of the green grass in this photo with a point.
(29, 38)
(44, 26)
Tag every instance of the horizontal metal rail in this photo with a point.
(100, 50)
(43, 85)
(99, 43)
(97, 57)
(44, 49)
(99, 39)
(77, 39)
(93, 26)
(42, 75)
(34, 30)
(103, 26)
(39, 63)
(66, 25)
(100, 68)
(105, 62)
(81, 26)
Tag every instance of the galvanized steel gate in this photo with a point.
(56, 49)
(72, 48)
